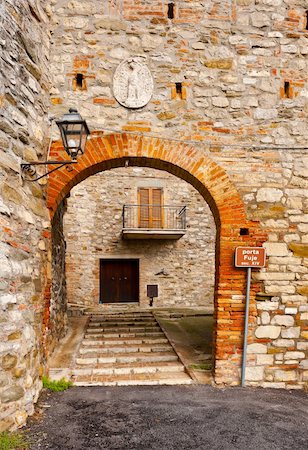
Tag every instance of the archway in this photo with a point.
(198, 169)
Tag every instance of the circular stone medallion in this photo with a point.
(133, 83)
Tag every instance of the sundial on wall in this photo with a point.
(133, 83)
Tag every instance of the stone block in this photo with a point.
(8, 361)
(260, 19)
(12, 394)
(267, 306)
(283, 343)
(294, 355)
(224, 64)
(302, 346)
(220, 102)
(265, 318)
(303, 290)
(271, 195)
(300, 250)
(292, 332)
(304, 364)
(265, 360)
(272, 385)
(254, 373)
(285, 375)
(290, 310)
(256, 348)
(304, 316)
(283, 320)
(267, 331)
(276, 249)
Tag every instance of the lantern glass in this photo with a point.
(74, 133)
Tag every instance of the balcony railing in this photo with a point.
(153, 221)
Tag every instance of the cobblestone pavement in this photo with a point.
(177, 417)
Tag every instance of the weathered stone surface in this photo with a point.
(8, 361)
(12, 394)
(265, 318)
(276, 249)
(167, 115)
(285, 375)
(265, 360)
(255, 373)
(299, 249)
(224, 64)
(24, 43)
(283, 343)
(283, 320)
(268, 331)
(304, 364)
(270, 195)
(260, 20)
(292, 332)
(294, 355)
(256, 348)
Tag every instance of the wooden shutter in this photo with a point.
(144, 208)
(150, 207)
(156, 215)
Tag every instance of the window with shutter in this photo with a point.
(150, 202)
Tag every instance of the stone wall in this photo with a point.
(93, 226)
(24, 219)
(242, 66)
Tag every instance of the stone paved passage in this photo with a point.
(172, 417)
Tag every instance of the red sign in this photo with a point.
(250, 257)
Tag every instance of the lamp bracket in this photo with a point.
(27, 167)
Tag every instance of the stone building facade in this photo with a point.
(228, 113)
(183, 269)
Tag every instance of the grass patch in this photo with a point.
(56, 386)
(203, 366)
(12, 441)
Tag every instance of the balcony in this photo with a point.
(153, 222)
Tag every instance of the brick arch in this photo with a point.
(211, 180)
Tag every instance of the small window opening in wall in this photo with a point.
(244, 231)
(79, 80)
(306, 27)
(170, 10)
(287, 91)
(178, 89)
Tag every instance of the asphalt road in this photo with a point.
(177, 418)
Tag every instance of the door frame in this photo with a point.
(117, 259)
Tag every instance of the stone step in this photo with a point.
(128, 368)
(88, 341)
(126, 348)
(117, 317)
(169, 378)
(127, 335)
(136, 329)
(89, 359)
(126, 323)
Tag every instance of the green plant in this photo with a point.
(56, 386)
(12, 441)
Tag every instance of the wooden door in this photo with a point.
(150, 202)
(119, 280)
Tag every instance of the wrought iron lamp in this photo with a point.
(74, 133)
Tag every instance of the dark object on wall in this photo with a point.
(152, 292)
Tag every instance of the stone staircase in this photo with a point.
(126, 348)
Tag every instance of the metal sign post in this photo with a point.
(246, 327)
(248, 257)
